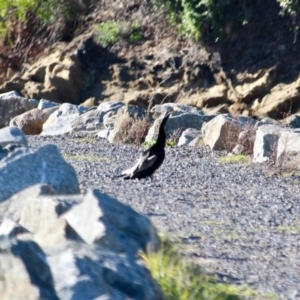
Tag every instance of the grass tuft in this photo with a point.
(235, 159)
(149, 144)
(83, 157)
(180, 280)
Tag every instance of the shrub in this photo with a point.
(203, 19)
(149, 144)
(110, 32)
(130, 130)
(174, 138)
(180, 280)
(45, 10)
(292, 9)
(235, 159)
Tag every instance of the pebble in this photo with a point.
(241, 220)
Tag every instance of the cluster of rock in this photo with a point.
(91, 74)
(58, 244)
(266, 139)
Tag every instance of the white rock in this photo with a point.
(265, 143)
(11, 228)
(106, 107)
(43, 104)
(188, 136)
(12, 135)
(182, 118)
(61, 120)
(222, 132)
(9, 94)
(26, 167)
(288, 149)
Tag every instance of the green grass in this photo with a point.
(110, 32)
(180, 280)
(149, 144)
(171, 143)
(291, 173)
(215, 222)
(291, 229)
(83, 157)
(235, 159)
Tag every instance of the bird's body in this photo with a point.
(152, 158)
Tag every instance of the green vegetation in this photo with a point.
(194, 18)
(234, 159)
(84, 157)
(292, 9)
(171, 143)
(44, 9)
(208, 19)
(291, 229)
(290, 173)
(180, 280)
(149, 144)
(47, 11)
(110, 32)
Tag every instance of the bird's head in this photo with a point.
(169, 112)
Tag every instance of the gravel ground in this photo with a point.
(240, 221)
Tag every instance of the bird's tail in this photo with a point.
(125, 176)
(117, 176)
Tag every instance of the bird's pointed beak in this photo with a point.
(171, 111)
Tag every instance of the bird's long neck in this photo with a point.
(161, 139)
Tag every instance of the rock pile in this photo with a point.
(266, 139)
(90, 74)
(58, 244)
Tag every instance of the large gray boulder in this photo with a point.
(25, 272)
(288, 150)
(110, 107)
(12, 104)
(96, 218)
(11, 228)
(24, 167)
(279, 144)
(222, 132)
(292, 121)
(45, 104)
(72, 271)
(31, 122)
(182, 118)
(103, 220)
(12, 208)
(61, 121)
(189, 135)
(265, 144)
(73, 247)
(88, 121)
(10, 139)
(94, 118)
(12, 136)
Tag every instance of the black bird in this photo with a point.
(152, 158)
